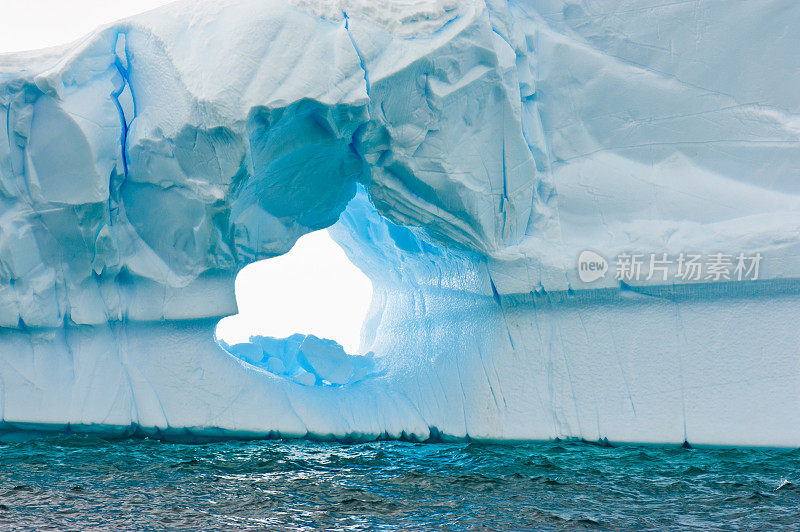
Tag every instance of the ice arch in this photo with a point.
(312, 289)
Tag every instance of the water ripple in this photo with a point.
(73, 482)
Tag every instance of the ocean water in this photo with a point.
(78, 482)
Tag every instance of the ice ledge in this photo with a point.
(645, 369)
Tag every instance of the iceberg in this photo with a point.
(580, 220)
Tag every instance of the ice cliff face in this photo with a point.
(470, 151)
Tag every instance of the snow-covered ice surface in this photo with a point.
(470, 151)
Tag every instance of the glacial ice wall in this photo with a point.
(470, 151)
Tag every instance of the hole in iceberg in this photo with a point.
(300, 315)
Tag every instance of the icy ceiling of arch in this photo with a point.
(470, 151)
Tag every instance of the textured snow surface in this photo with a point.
(470, 151)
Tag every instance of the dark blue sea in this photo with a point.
(78, 482)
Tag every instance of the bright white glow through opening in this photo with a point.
(34, 24)
(312, 289)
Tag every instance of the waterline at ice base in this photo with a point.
(579, 220)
